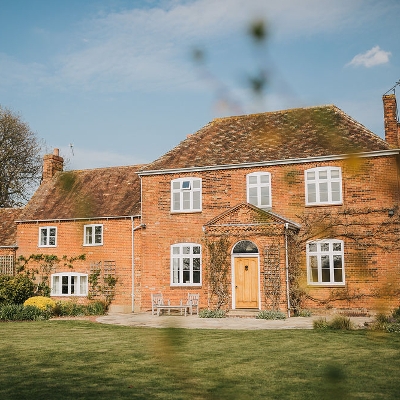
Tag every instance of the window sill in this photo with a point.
(324, 204)
(325, 285)
(186, 212)
(93, 245)
(186, 285)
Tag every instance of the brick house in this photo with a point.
(92, 212)
(286, 210)
(8, 239)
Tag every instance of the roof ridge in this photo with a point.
(218, 119)
(134, 166)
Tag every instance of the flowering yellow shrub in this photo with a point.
(40, 302)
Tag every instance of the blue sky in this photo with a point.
(116, 78)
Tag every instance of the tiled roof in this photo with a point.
(8, 228)
(102, 192)
(280, 135)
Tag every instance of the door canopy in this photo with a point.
(245, 247)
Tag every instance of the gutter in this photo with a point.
(133, 261)
(287, 269)
(77, 219)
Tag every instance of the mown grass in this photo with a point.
(84, 360)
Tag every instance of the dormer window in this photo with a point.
(186, 195)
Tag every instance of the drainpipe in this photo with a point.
(133, 261)
(287, 269)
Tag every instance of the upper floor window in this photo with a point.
(93, 235)
(325, 262)
(186, 264)
(69, 284)
(48, 236)
(259, 189)
(186, 195)
(323, 185)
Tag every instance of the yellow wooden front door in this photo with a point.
(246, 282)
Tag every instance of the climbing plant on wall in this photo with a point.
(40, 266)
(218, 267)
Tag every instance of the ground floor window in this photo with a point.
(186, 264)
(69, 284)
(7, 265)
(325, 262)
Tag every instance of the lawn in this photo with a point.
(85, 360)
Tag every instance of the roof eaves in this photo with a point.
(377, 153)
(78, 219)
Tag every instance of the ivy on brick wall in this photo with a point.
(102, 281)
(40, 266)
(218, 269)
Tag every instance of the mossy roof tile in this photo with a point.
(280, 135)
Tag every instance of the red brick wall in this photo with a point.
(367, 184)
(117, 246)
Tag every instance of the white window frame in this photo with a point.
(93, 235)
(48, 236)
(255, 184)
(69, 284)
(319, 252)
(323, 185)
(188, 254)
(186, 195)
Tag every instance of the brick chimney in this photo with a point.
(392, 126)
(52, 163)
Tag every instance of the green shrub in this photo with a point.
(207, 313)
(339, 322)
(320, 324)
(393, 327)
(15, 289)
(396, 314)
(387, 323)
(96, 308)
(271, 314)
(19, 312)
(303, 313)
(71, 308)
(44, 303)
(382, 318)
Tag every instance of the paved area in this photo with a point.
(194, 322)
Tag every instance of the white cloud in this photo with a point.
(371, 58)
(149, 48)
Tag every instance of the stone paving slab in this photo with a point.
(194, 322)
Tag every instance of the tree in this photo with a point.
(20, 160)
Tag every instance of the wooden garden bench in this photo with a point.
(158, 304)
